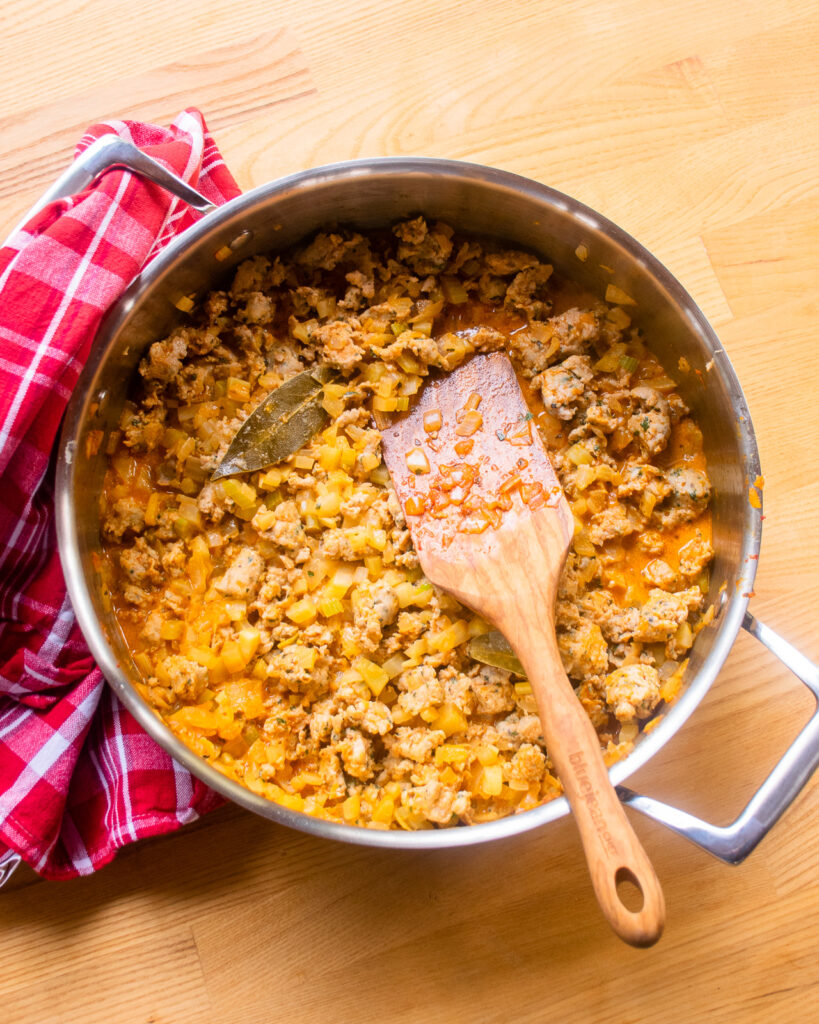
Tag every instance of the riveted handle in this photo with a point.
(107, 153)
(732, 843)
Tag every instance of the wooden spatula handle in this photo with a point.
(613, 852)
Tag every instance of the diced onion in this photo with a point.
(417, 461)
(433, 421)
(618, 296)
(472, 421)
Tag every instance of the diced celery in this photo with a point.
(373, 675)
(242, 494)
(450, 719)
(302, 612)
(237, 389)
(490, 780)
(618, 296)
(579, 455)
(610, 361)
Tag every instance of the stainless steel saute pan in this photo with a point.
(482, 201)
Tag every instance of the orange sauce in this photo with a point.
(678, 453)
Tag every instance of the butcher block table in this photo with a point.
(692, 125)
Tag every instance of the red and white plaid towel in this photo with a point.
(78, 777)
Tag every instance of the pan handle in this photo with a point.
(108, 152)
(9, 862)
(732, 843)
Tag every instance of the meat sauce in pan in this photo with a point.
(278, 618)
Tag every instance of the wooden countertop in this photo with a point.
(694, 127)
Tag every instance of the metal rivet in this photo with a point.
(241, 240)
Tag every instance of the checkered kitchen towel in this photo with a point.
(78, 777)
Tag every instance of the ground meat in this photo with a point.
(362, 287)
(371, 716)
(615, 521)
(366, 629)
(140, 564)
(617, 624)
(332, 776)
(562, 386)
(164, 360)
(687, 499)
(243, 575)
(573, 330)
(517, 729)
(695, 556)
(324, 720)
(150, 632)
(385, 604)
(528, 292)
(493, 690)
(415, 744)
(286, 529)
(659, 574)
(424, 250)
(371, 450)
(136, 596)
(284, 359)
(193, 384)
(212, 502)
(437, 803)
(356, 754)
(510, 261)
(325, 252)
(485, 339)
(143, 428)
(411, 624)
(421, 689)
(335, 543)
(457, 686)
(650, 423)
(338, 344)
(663, 612)
(633, 691)
(126, 516)
(605, 414)
(216, 305)
(527, 765)
(187, 679)
(491, 289)
(637, 478)
(651, 542)
(251, 276)
(258, 309)
(583, 650)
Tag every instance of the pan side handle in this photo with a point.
(107, 153)
(9, 862)
(732, 843)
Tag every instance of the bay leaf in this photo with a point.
(493, 649)
(281, 424)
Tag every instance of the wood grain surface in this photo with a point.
(694, 127)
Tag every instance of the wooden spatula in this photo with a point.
(491, 526)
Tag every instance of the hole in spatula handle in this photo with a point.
(629, 890)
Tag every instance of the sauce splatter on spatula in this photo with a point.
(491, 526)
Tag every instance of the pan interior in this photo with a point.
(478, 201)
